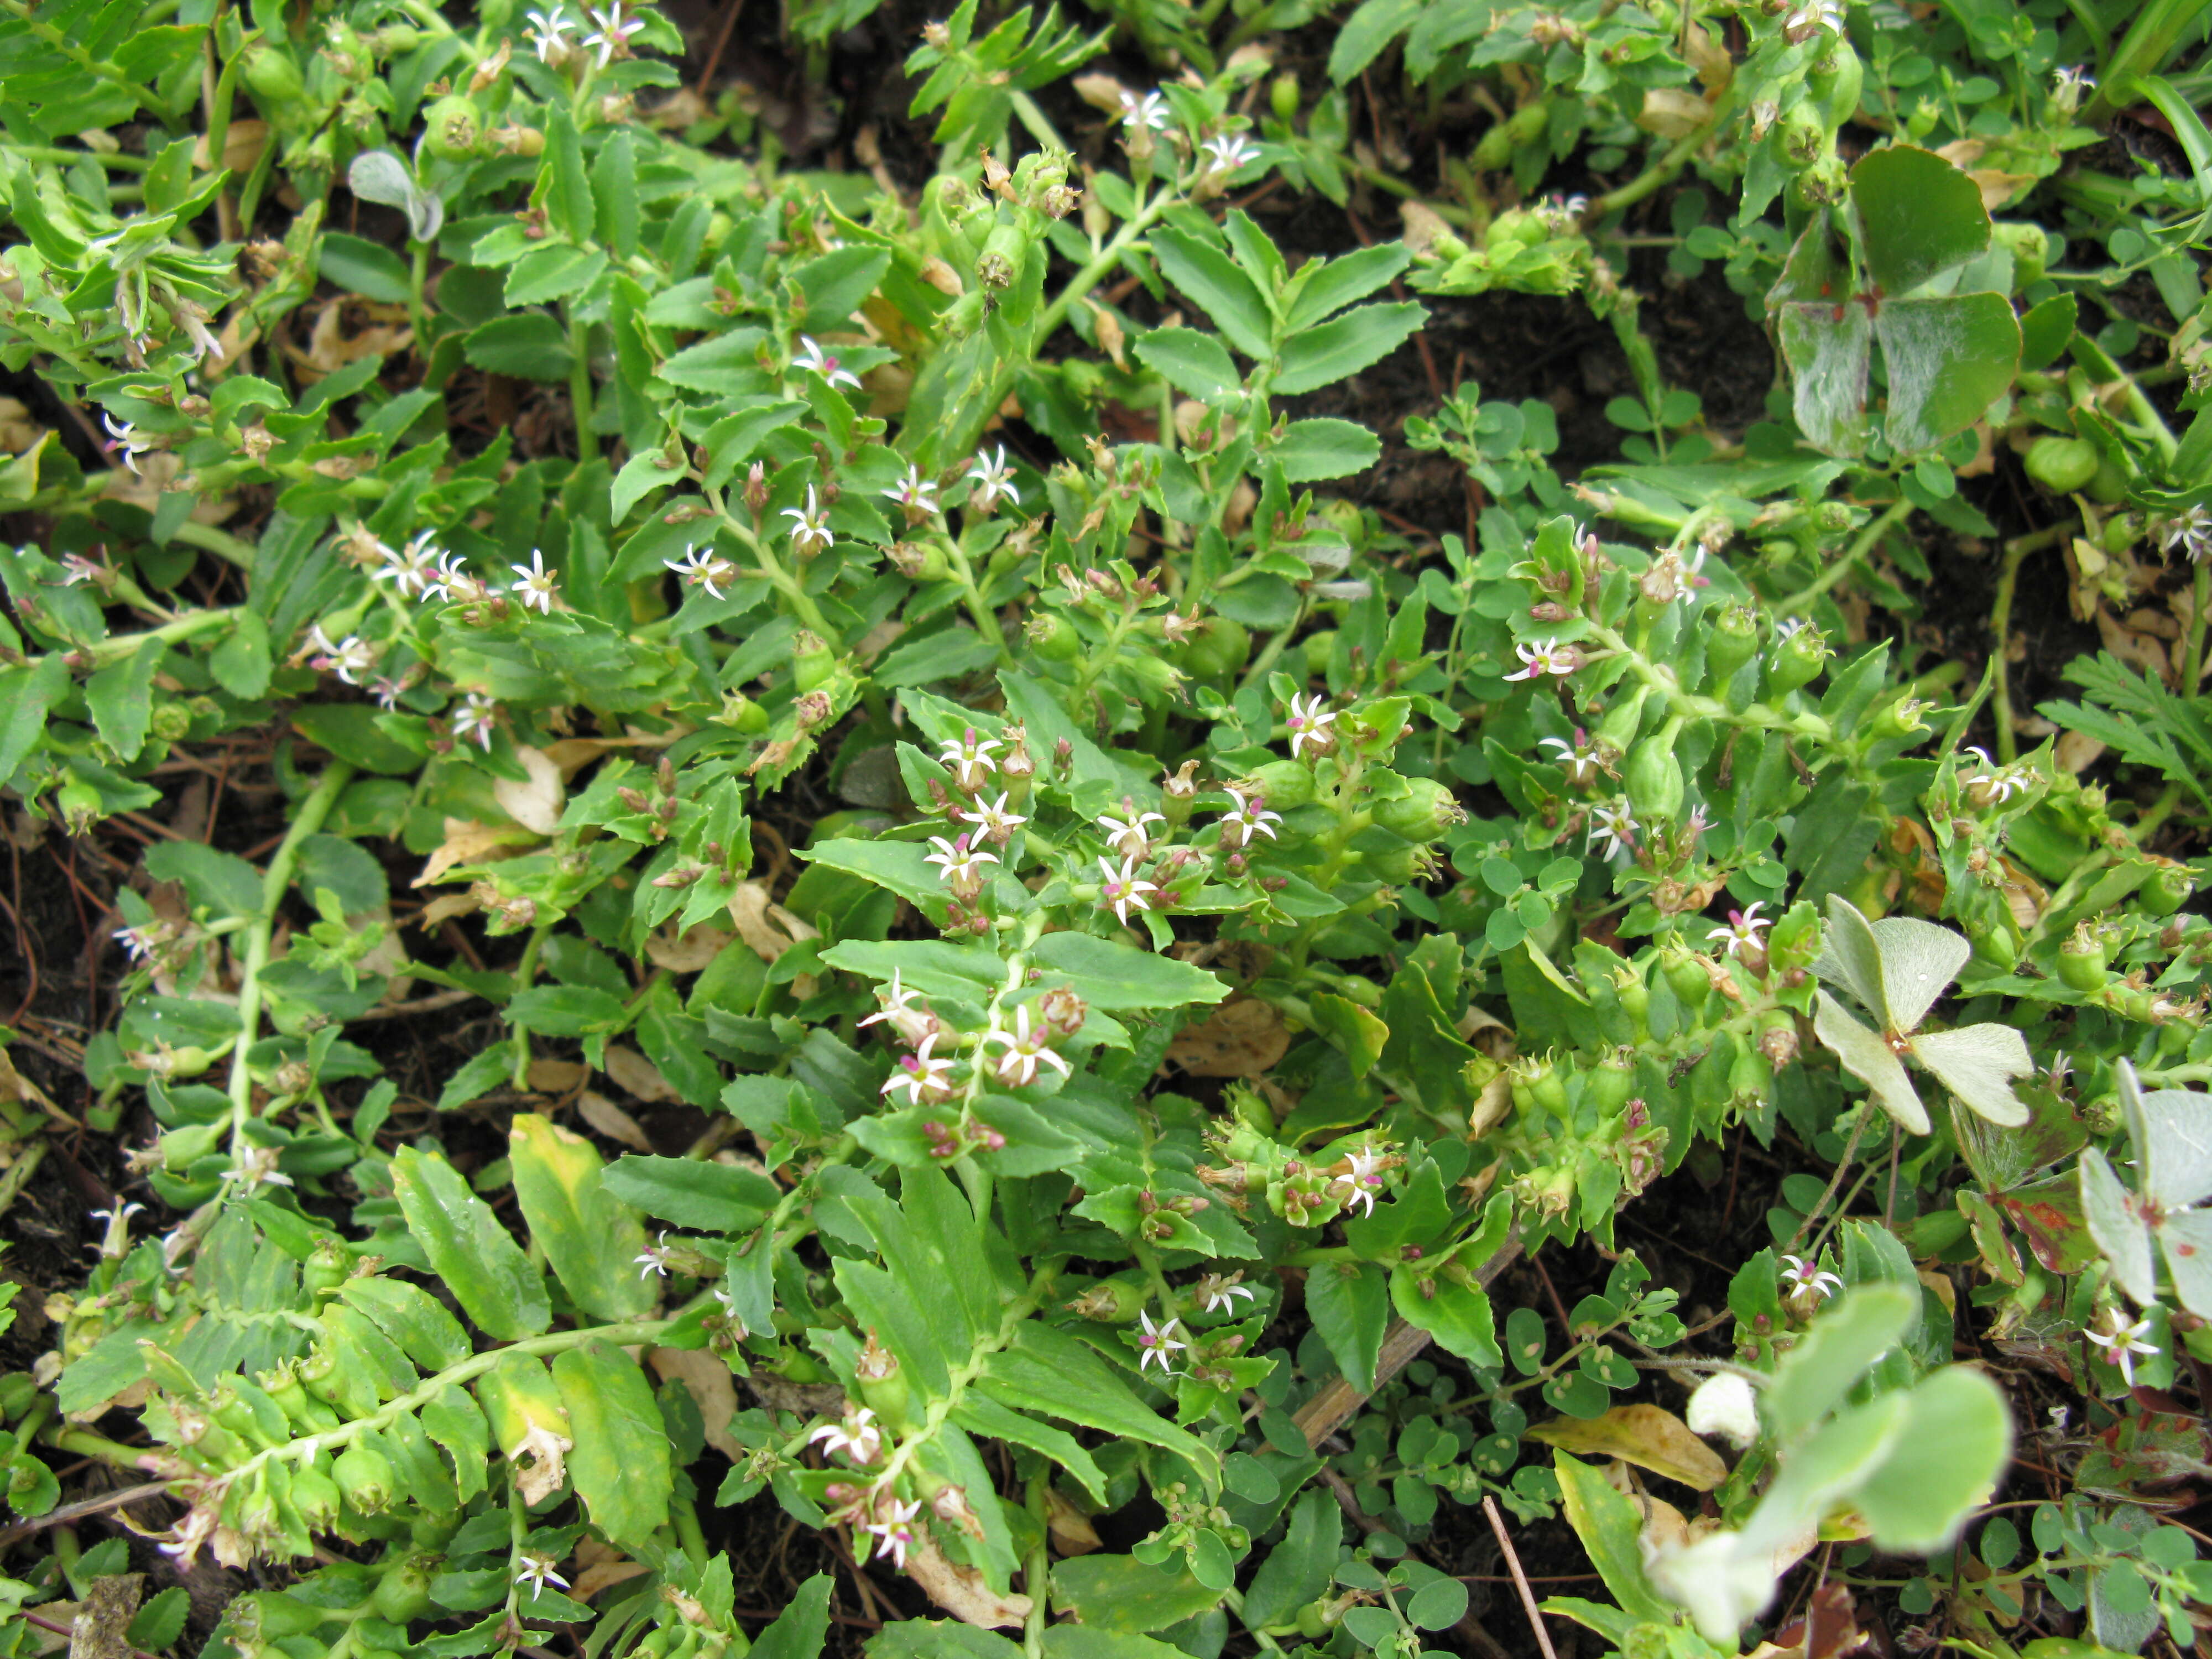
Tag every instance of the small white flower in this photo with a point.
(115, 1230)
(1025, 1047)
(549, 34)
(1807, 1279)
(2067, 87)
(913, 492)
(1121, 891)
(1613, 830)
(894, 1535)
(923, 1076)
(257, 1167)
(1149, 111)
(1158, 1342)
(537, 1571)
(702, 567)
(125, 438)
(1217, 1294)
(895, 1002)
(2002, 783)
(410, 570)
(992, 819)
(730, 1313)
(2188, 531)
(76, 568)
(349, 658)
(1788, 629)
(139, 944)
(809, 527)
(654, 1258)
(1365, 1179)
(993, 478)
(1724, 1405)
(1228, 152)
(1127, 836)
(1813, 17)
(2060, 1068)
(1549, 658)
(811, 355)
(1743, 931)
(386, 690)
(1250, 819)
(475, 719)
(858, 1437)
(958, 862)
(2122, 1342)
(969, 758)
(194, 322)
(538, 585)
(612, 38)
(1309, 720)
(451, 581)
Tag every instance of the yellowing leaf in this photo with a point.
(1650, 1436)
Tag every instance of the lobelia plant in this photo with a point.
(1136, 969)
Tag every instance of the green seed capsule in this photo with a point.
(1425, 811)
(451, 129)
(1219, 646)
(1653, 776)
(404, 1593)
(1286, 785)
(1732, 642)
(316, 1496)
(273, 78)
(2167, 890)
(2062, 466)
(364, 1477)
(2081, 963)
(1053, 637)
(1796, 661)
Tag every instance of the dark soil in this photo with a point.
(1687, 1230)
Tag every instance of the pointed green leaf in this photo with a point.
(592, 1240)
(1609, 1526)
(620, 1462)
(1350, 1305)
(478, 1258)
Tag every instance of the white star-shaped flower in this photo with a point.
(1217, 1294)
(475, 719)
(810, 526)
(1229, 151)
(1250, 819)
(858, 1437)
(1309, 720)
(993, 479)
(894, 1534)
(412, 570)
(969, 758)
(1149, 111)
(811, 355)
(914, 493)
(1158, 1342)
(538, 585)
(1549, 658)
(1129, 837)
(959, 862)
(537, 1571)
(991, 819)
(1807, 1278)
(1025, 1047)
(702, 567)
(125, 440)
(923, 1076)
(2123, 1342)
(612, 38)
(549, 34)
(1744, 931)
(1613, 830)
(348, 657)
(654, 1258)
(1121, 891)
(895, 1001)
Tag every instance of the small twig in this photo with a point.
(1844, 1164)
(63, 1630)
(69, 1512)
(1520, 1578)
(1348, 1501)
(420, 1006)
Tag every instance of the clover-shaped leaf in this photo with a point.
(1895, 968)
(2171, 1130)
(1916, 220)
(378, 175)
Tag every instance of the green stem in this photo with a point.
(307, 821)
(190, 625)
(303, 1449)
(418, 315)
(1662, 171)
(772, 571)
(66, 157)
(1106, 258)
(2201, 595)
(1803, 600)
(221, 543)
(579, 388)
(1035, 1575)
(2016, 550)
